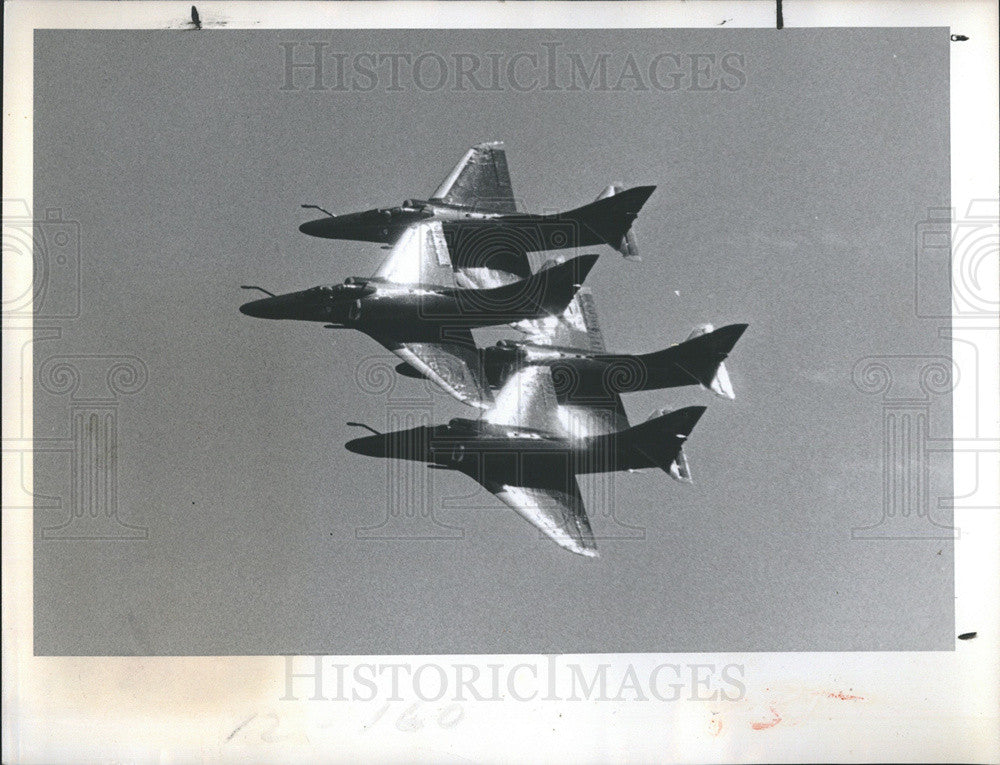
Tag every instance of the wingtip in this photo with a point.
(586, 548)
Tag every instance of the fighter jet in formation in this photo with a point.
(585, 371)
(521, 451)
(476, 207)
(550, 402)
(412, 307)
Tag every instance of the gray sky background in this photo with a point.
(789, 204)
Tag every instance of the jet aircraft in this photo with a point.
(521, 451)
(476, 206)
(412, 308)
(585, 373)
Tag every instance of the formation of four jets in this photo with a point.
(550, 403)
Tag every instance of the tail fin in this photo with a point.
(627, 246)
(661, 438)
(546, 292)
(699, 359)
(716, 344)
(610, 217)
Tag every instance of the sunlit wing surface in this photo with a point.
(454, 365)
(577, 327)
(552, 502)
(420, 256)
(558, 513)
(483, 278)
(527, 400)
(480, 181)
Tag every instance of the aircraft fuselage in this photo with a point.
(502, 454)
(403, 310)
(466, 229)
(417, 311)
(385, 225)
(582, 377)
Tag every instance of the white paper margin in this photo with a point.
(937, 706)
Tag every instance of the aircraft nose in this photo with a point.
(326, 228)
(264, 308)
(367, 446)
(294, 305)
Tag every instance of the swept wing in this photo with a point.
(420, 256)
(551, 503)
(577, 327)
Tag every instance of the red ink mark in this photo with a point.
(769, 723)
(845, 696)
(715, 727)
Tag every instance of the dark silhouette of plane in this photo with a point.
(521, 452)
(476, 207)
(409, 308)
(586, 374)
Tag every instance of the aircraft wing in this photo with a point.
(454, 364)
(419, 256)
(557, 511)
(424, 255)
(577, 327)
(480, 181)
(486, 276)
(551, 501)
(527, 400)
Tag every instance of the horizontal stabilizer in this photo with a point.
(678, 469)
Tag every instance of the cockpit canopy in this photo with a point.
(351, 284)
